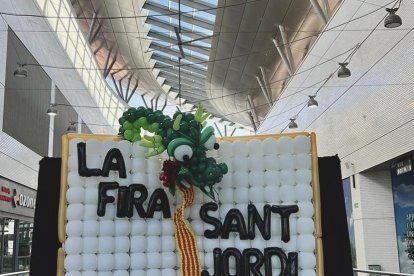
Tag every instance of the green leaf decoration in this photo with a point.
(177, 122)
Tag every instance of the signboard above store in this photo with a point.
(404, 166)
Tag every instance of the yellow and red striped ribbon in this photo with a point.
(185, 238)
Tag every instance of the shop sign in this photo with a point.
(17, 199)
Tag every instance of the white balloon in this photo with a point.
(307, 260)
(122, 261)
(93, 147)
(105, 273)
(240, 163)
(256, 178)
(241, 179)
(137, 150)
(124, 147)
(154, 260)
(287, 193)
(198, 227)
(75, 273)
(139, 272)
(73, 163)
(242, 244)
(167, 227)
(301, 144)
(75, 212)
(306, 243)
(169, 259)
(272, 178)
(106, 245)
(225, 149)
(139, 177)
(275, 225)
(270, 146)
(138, 261)
(241, 195)
(291, 245)
(73, 262)
(90, 245)
(89, 212)
(122, 244)
(227, 181)
(153, 244)
(138, 165)
(305, 225)
(286, 162)
(94, 161)
(256, 163)
(75, 195)
(91, 195)
(303, 162)
(271, 162)
(240, 148)
(167, 243)
(75, 180)
(121, 272)
(122, 227)
(154, 165)
(91, 182)
(255, 147)
(226, 243)
(73, 245)
(210, 244)
(256, 194)
(274, 241)
(106, 145)
(287, 177)
(305, 209)
(138, 244)
(90, 262)
(110, 211)
(307, 272)
(154, 227)
(285, 145)
(74, 228)
(271, 194)
(303, 192)
(168, 272)
(226, 195)
(224, 209)
(153, 180)
(139, 227)
(106, 228)
(105, 262)
(303, 176)
(154, 272)
(258, 242)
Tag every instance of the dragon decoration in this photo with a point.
(186, 139)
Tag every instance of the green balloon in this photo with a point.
(127, 125)
(128, 134)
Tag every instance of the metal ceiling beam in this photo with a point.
(174, 83)
(186, 77)
(206, 7)
(221, 135)
(282, 55)
(319, 11)
(198, 70)
(264, 91)
(194, 92)
(189, 93)
(287, 47)
(133, 91)
(170, 27)
(128, 87)
(327, 9)
(116, 86)
(252, 108)
(93, 32)
(191, 47)
(155, 7)
(184, 72)
(252, 121)
(108, 66)
(266, 83)
(173, 52)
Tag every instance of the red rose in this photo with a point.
(169, 173)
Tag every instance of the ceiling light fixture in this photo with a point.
(52, 110)
(392, 20)
(20, 71)
(343, 72)
(72, 127)
(292, 124)
(312, 103)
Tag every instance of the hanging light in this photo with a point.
(392, 20)
(52, 110)
(72, 127)
(344, 72)
(312, 103)
(20, 71)
(292, 123)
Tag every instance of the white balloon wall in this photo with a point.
(273, 171)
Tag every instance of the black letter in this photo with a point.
(256, 265)
(103, 198)
(231, 251)
(272, 251)
(82, 168)
(292, 265)
(108, 163)
(217, 264)
(122, 202)
(137, 202)
(163, 204)
(284, 211)
(239, 225)
(262, 224)
(210, 234)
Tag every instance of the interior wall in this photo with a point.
(26, 99)
(66, 114)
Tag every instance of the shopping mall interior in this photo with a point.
(341, 69)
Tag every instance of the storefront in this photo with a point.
(17, 204)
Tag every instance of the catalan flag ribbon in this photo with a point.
(185, 238)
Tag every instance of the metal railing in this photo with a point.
(376, 272)
(20, 273)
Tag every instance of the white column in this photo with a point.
(374, 221)
(3, 58)
(51, 121)
(79, 127)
